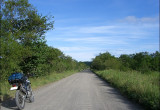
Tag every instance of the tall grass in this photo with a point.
(143, 88)
(35, 83)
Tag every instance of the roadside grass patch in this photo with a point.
(142, 88)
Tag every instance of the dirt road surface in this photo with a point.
(80, 91)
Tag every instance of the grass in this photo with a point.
(35, 83)
(142, 88)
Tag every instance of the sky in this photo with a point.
(85, 28)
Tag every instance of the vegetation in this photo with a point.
(135, 75)
(88, 63)
(23, 46)
(143, 62)
(142, 88)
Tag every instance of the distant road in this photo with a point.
(81, 91)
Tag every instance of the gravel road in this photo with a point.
(80, 91)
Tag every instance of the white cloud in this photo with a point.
(96, 40)
(82, 56)
(143, 20)
(97, 29)
(104, 33)
(116, 35)
(88, 29)
(117, 52)
(126, 37)
(82, 53)
(85, 55)
(77, 49)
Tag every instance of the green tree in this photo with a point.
(142, 61)
(105, 61)
(155, 61)
(21, 27)
(23, 46)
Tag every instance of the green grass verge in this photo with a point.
(142, 88)
(35, 83)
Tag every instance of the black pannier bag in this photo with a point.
(16, 78)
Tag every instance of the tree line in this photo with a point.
(23, 46)
(143, 61)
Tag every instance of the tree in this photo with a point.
(23, 46)
(21, 27)
(155, 62)
(105, 61)
(142, 61)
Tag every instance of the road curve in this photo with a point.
(81, 91)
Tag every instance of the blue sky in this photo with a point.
(85, 28)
